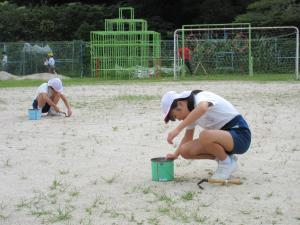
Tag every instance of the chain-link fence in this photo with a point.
(271, 55)
(71, 58)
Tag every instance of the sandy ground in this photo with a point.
(94, 167)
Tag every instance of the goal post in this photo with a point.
(236, 49)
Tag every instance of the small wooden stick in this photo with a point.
(219, 181)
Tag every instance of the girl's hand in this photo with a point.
(171, 156)
(69, 112)
(172, 135)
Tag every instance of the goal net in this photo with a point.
(235, 49)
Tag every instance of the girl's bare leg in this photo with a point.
(42, 100)
(211, 144)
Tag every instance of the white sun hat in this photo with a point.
(167, 100)
(56, 84)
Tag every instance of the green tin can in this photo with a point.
(162, 169)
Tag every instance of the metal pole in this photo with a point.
(297, 53)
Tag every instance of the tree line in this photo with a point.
(55, 20)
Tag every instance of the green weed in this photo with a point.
(188, 196)
(153, 221)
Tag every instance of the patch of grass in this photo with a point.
(133, 220)
(147, 190)
(40, 212)
(85, 221)
(245, 212)
(256, 197)
(74, 193)
(164, 197)
(55, 185)
(7, 163)
(199, 219)
(3, 217)
(98, 201)
(88, 210)
(61, 214)
(278, 211)
(153, 221)
(169, 78)
(23, 204)
(179, 214)
(113, 213)
(188, 196)
(63, 172)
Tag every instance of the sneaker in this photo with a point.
(52, 112)
(225, 170)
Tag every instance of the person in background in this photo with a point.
(51, 63)
(4, 61)
(187, 58)
(48, 96)
(225, 132)
(46, 64)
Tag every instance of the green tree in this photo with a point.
(272, 13)
(51, 23)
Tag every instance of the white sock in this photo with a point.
(226, 161)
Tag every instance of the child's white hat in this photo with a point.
(56, 84)
(167, 100)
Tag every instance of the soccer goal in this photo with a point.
(235, 49)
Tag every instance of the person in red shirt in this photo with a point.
(187, 58)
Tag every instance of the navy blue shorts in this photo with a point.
(241, 134)
(45, 108)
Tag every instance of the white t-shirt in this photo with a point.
(51, 61)
(4, 59)
(217, 115)
(44, 88)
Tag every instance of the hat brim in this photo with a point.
(184, 94)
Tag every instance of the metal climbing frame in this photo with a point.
(126, 49)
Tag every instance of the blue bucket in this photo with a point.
(34, 114)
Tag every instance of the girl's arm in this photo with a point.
(63, 97)
(188, 136)
(191, 118)
(193, 115)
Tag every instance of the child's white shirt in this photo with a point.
(4, 60)
(44, 88)
(51, 61)
(217, 115)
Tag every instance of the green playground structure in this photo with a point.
(126, 49)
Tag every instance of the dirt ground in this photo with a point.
(94, 167)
